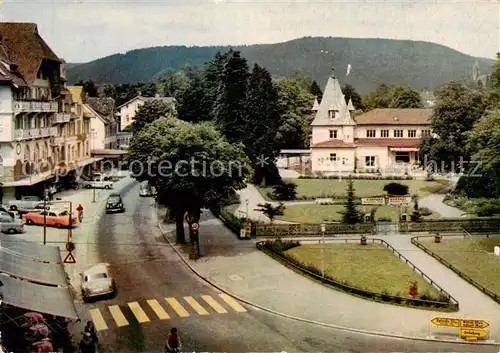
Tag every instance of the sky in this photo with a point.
(85, 30)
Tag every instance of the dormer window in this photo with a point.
(331, 114)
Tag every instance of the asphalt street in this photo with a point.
(156, 292)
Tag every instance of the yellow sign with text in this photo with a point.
(462, 323)
(473, 333)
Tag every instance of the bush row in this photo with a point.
(278, 248)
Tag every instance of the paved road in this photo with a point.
(146, 269)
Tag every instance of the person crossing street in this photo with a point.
(79, 209)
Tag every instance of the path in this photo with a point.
(239, 268)
(435, 203)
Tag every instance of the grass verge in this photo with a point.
(312, 188)
(472, 255)
(314, 213)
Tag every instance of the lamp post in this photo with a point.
(323, 229)
(45, 199)
(246, 202)
(93, 134)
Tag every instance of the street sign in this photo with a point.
(447, 322)
(70, 246)
(69, 259)
(463, 323)
(195, 226)
(473, 333)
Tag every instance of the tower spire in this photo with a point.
(333, 72)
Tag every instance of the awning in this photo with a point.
(28, 249)
(403, 149)
(22, 267)
(38, 298)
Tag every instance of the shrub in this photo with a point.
(424, 211)
(488, 208)
(396, 189)
(285, 191)
(280, 246)
(384, 219)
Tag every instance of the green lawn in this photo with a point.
(472, 256)
(232, 208)
(363, 188)
(313, 213)
(371, 267)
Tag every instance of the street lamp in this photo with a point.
(323, 229)
(246, 202)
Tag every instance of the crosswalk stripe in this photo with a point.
(179, 309)
(196, 306)
(232, 303)
(157, 308)
(216, 306)
(98, 320)
(138, 312)
(118, 316)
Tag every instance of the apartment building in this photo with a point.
(39, 116)
(127, 110)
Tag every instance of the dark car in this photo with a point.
(6, 209)
(114, 203)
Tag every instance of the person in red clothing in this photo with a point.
(173, 341)
(79, 209)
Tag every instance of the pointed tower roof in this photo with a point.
(333, 100)
(315, 107)
(350, 106)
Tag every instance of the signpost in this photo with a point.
(69, 259)
(468, 329)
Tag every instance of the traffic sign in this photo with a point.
(195, 226)
(69, 259)
(445, 321)
(70, 246)
(473, 333)
(463, 323)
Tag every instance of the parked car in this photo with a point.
(11, 225)
(145, 190)
(97, 282)
(26, 202)
(98, 184)
(6, 209)
(54, 218)
(114, 203)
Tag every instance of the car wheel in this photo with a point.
(59, 225)
(12, 231)
(30, 222)
(107, 187)
(13, 208)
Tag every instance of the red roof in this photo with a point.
(333, 144)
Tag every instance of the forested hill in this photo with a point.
(421, 65)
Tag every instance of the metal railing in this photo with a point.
(24, 134)
(34, 106)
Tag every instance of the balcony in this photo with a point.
(58, 140)
(25, 134)
(61, 118)
(34, 106)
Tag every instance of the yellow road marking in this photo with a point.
(157, 308)
(98, 320)
(179, 309)
(216, 306)
(232, 303)
(196, 306)
(138, 312)
(118, 316)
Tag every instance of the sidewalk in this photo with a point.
(237, 267)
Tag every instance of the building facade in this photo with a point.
(380, 141)
(128, 110)
(31, 80)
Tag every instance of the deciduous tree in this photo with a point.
(192, 166)
(150, 111)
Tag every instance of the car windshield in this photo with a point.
(114, 199)
(95, 276)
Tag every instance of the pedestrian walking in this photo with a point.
(90, 328)
(87, 345)
(79, 209)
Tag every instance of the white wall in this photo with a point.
(6, 114)
(129, 110)
(320, 159)
(381, 155)
(97, 133)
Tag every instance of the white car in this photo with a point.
(97, 282)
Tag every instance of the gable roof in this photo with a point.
(167, 100)
(395, 117)
(25, 47)
(88, 109)
(76, 93)
(333, 100)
